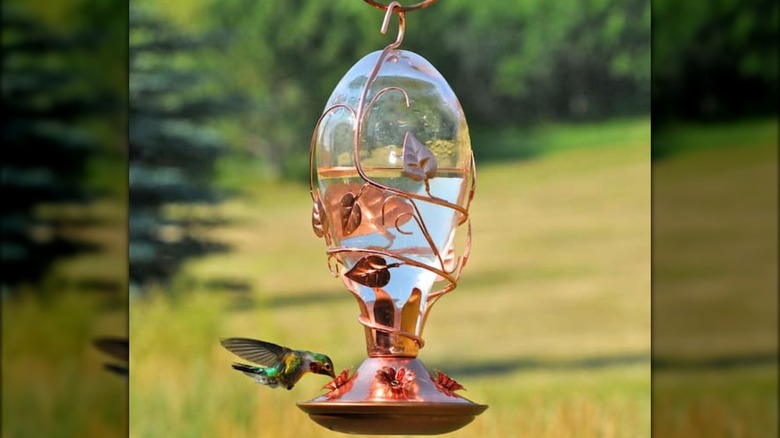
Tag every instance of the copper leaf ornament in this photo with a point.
(447, 384)
(350, 214)
(318, 222)
(419, 161)
(371, 271)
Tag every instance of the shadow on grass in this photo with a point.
(309, 298)
(247, 301)
(715, 363)
(245, 298)
(507, 366)
(243, 292)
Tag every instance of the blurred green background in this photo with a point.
(551, 323)
(715, 216)
(223, 96)
(64, 216)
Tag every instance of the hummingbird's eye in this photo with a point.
(327, 366)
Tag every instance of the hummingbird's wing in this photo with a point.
(116, 347)
(259, 352)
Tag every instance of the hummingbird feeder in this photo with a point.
(392, 177)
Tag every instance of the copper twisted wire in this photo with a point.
(387, 329)
(359, 120)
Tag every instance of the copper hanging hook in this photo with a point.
(414, 7)
(391, 8)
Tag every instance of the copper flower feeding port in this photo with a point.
(392, 177)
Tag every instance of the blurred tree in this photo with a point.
(287, 56)
(510, 63)
(172, 150)
(714, 61)
(516, 63)
(50, 107)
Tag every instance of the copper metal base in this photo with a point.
(392, 418)
(392, 396)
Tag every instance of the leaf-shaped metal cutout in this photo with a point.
(447, 384)
(419, 161)
(318, 221)
(350, 214)
(371, 271)
(380, 210)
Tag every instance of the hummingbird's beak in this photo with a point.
(332, 373)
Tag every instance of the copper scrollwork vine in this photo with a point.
(397, 208)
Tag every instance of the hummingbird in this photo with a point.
(279, 365)
(118, 348)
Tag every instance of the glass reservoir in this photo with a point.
(393, 172)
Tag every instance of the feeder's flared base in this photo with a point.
(392, 418)
(392, 396)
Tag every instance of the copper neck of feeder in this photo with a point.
(391, 332)
(383, 344)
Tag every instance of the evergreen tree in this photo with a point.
(172, 148)
(48, 105)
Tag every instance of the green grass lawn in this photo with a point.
(715, 282)
(54, 383)
(541, 140)
(550, 325)
(53, 380)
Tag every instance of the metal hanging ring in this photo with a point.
(414, 7)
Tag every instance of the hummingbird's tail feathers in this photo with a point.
(258, 374)
(247, 369)
(118, 348)
(117, 369)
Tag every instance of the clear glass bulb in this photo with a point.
(393, 227)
